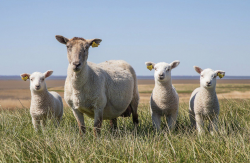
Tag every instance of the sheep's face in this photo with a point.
(162, 70)
(208, 77)
(37, 80)
(77, 49)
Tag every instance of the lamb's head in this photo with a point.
(77, 49)
(37, 80)
(162, 70)
(208, 77)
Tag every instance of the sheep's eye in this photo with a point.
(31, 79)
(167, 69)
(155, 69)
(68, 46)
(42, 79)
(202, 76)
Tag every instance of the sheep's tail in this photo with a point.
(132, 107)
(135, 100)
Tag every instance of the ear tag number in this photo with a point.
(221, 75)
(25, 78)
(94, 44)
(150, 67)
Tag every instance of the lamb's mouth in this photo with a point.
(161, 78)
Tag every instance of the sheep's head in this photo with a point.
(208, 77)
(162, 70)
(37, 80)
(77, 50)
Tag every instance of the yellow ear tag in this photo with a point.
(25, 78)
(94, 44)
(221, 75)
(150, 67)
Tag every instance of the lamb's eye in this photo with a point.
(42, 79)
(31, 79)
(167, 69)
(202, 76)
(155, 69)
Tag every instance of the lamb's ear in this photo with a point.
(25, 76)
(150, 65)
(62, 39)
(198, 69)
(94, 42)
(174, 64)
(48, 73)
(220, 73)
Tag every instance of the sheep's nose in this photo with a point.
(37, 86)
(161, 75)
(209, 83)
(77, 64)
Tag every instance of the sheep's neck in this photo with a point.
(39, 98)
(163, 86)
(79, 79)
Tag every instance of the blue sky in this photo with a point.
(210, 34)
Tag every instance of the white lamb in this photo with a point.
(101, 91)
(204, 103)
(44, 104)
(164, 99)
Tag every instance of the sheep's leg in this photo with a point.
(98, 121)
(171, 119)
(199, 123)
(213, 125)
(156, 118)
(36, 124)
(43, 123)
(113, 123)
(80, 120)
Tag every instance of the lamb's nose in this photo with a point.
(209, 83)
(37, 86)
(160, 75)
(77, 64)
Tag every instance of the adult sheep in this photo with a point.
(101, 91)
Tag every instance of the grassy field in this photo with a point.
(20, 143)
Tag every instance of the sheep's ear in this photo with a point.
(150, 65)
(62, 39)
(198, 69)
(174, 64)
(94, 42)
(48, 73)
(25, 76)
(220, 73)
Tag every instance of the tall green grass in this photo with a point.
(20, 143)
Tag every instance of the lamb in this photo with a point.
(204, 103)
(44, 104)
(164, 99)
(102, 91)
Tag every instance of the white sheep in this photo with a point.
(204, 103)
(101, 91)
(44, 104)
(164, 99)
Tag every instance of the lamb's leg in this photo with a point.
(113, 123)
(156, 118)
(98, 121)
(213, 125)
(192, 119)
(199, 123)
(36, 124)
(171, 119)
(80, 120)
